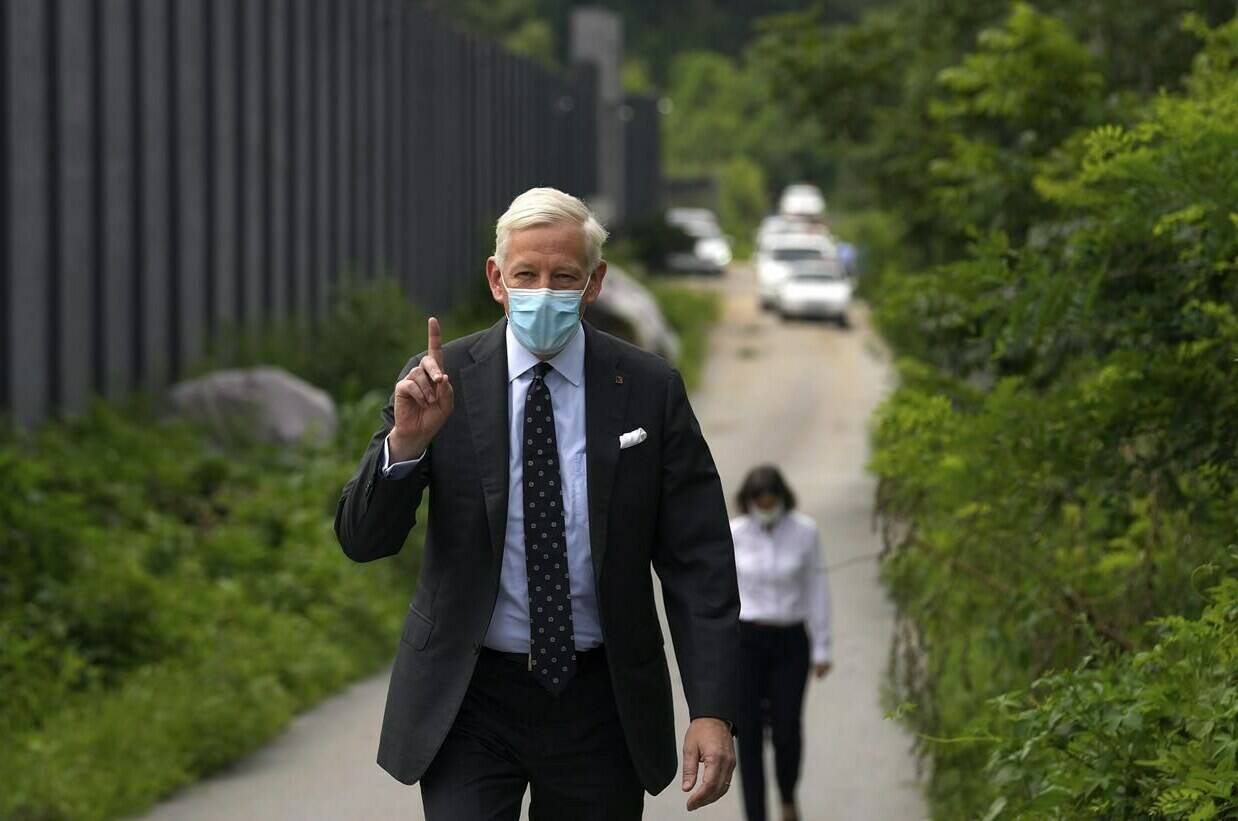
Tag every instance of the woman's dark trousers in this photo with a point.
(774, 664)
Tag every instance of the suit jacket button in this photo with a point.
(476, 648)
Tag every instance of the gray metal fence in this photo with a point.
(170, 168)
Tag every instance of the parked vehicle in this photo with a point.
(780, 252)
(802, 200)
(779, 224)
(817, 289)
(679, 216)
(711, 249)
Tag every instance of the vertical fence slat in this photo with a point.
(363, 96)
(26, 23)
(420, 79)
(377, 89)
(254, 163)
(417, 68)
(337, 42)
(276, 170)
(190, 255)
(348, 167)
(155, 193)
(322, 102)
(222, 171)
(302, 171)
(119, 259)
(398, 71)
(6, 263)
(73, 204)
(471, 212)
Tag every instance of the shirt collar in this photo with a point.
(569, 362)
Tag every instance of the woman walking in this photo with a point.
(784, 624)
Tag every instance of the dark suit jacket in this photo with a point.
(656, 503)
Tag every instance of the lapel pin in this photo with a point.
(618, 380)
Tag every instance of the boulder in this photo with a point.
(265, 403)
(627, 309)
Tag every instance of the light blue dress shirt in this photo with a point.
(509, 626)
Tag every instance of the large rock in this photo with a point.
(627, 309)
(268, 404)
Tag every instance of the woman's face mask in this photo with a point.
(544, 320)
(768, 517)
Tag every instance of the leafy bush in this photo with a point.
(368, 334)
(1153, 734)
(742, 201)
(1061, 459)
(167, 604)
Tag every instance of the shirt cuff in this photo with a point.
(400, 469)
(821, 655)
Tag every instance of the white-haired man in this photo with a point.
(532, 655)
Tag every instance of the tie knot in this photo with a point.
(540, 370)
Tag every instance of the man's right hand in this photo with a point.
(423, 401)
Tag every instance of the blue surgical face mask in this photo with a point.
(544, 320)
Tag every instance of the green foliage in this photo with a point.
(1153, 734)
(939, 110)
(881, 236)
(635, 77)
(368, 335)
(167, 604)
(1059, 469)
(743, 200)
(691, 312)
(726, 121)
(520, 26)
(1027, 87)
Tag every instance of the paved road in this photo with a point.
(797, 394)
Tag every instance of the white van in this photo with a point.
(802, 200)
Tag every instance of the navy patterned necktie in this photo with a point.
(552, 649)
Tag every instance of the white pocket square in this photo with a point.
(632, 437)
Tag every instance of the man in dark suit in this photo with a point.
(532, 654)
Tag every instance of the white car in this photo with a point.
(772, 228)
(679, 216)
(780, 252)
(711, 250)
(802, 200)
(818, 289)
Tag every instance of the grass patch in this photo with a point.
(691, 312)
(169, 601)
(168, 604)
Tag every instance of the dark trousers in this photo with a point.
(511, 733)
(774, 665)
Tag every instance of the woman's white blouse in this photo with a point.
(782, 577)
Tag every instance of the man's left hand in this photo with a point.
(707, 744)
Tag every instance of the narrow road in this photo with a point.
(798, 395)
(795, 394)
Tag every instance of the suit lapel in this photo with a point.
(606, 393)
(484, 386)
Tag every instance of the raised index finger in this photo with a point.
(436, 340)
(433, 361)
